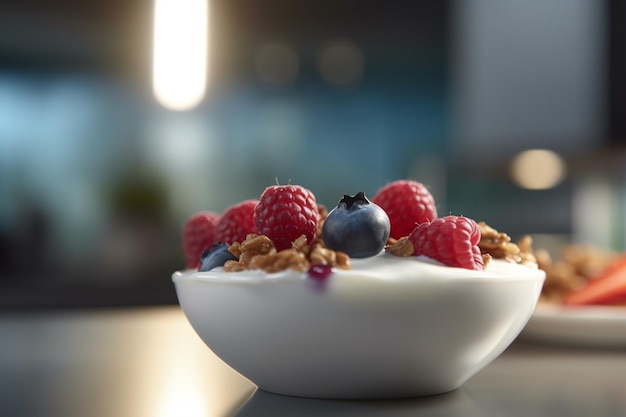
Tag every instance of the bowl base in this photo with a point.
(382, 394)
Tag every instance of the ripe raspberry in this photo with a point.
(284, 213)
(407, 203)
(236, 223)
(198, 234)
(451, 240)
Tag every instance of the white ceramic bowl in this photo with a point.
(385, 329)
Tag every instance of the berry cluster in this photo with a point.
(283, 213)
(451, 240)
(356, 226)
(202, 230)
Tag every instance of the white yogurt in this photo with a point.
(382, 267)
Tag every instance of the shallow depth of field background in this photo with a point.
(96, 177)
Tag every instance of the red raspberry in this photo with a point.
(284, 213)
(407, 203)
(451, 240)
(236, 223)
(198, 234)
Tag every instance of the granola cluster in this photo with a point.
(576, 265)
(400, 247)
(259, 252)
(498, 245)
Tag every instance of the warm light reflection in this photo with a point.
(183, 400)
(180, 52)
(537, 169)
(182, 377)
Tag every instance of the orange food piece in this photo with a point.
(608, 288)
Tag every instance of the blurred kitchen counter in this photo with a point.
(147, 361)
(62, 295)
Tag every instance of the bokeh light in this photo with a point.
(341, 62)
(538, 169)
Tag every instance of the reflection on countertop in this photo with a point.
(149, 362)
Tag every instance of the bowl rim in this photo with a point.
(260, 277)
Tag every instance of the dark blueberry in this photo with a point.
(357, 227)
(214, 257)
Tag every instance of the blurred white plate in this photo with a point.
(578, 326)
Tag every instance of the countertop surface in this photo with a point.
(149, 362)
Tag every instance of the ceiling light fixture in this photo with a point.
(180, 53)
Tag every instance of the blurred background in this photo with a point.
(510, 111)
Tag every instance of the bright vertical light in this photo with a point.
(180, 52)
